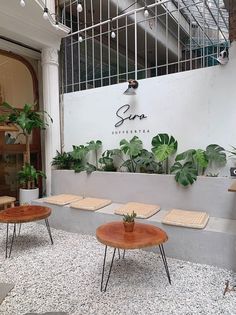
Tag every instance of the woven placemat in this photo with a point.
(91, 204)
(62, 199)
(185, 218)
(143, 210)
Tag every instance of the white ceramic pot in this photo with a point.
(27, 195)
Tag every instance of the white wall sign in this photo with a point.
(197, 107)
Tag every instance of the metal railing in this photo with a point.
(109, 44)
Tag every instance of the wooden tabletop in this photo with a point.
(26, 213)
(144, 235)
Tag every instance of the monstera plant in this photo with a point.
(133, 149)
(163, 146)
(185, 174)
(198, 158)
(95, 146)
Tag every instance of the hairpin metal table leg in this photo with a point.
(19, 229)
(118, 252)
(163, 255)
(49, 230)
(7, 239)
(103, 269)
(12, 240)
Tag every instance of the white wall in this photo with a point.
(197, 107)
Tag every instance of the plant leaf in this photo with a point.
(133, 147)
(185, 174)
(186, 156)
(215, 154)
(163, 146)
(200, 158)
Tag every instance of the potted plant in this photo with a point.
(27, 120)
(128, 221)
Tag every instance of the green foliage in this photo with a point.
(27, 119)
(163, 147)
(79, 155)
(187, 166)
(107, 160)
(233, 152)
(185, 174)
(147, 163)
(216, 155)
(62, 161)
(28, 176)
(133, 149)
(129, 217)
(197, 157)
(95, 146)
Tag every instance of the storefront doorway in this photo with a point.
(18, 86)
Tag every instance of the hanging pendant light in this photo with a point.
(146, 12)
(113, 34)
(22, 3)
(133, 85)
(79, 7)
(45, 13)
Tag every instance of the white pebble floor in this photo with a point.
(66, 277)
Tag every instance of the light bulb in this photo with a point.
(146, 13)
(113, 34)
(45, 14)
(79, 8)
(22, 3)
(80, 39)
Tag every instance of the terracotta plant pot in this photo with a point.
(129, 226)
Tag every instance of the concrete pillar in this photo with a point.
(232, 20)
(50, 75)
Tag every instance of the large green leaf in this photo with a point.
(133, 147)
(163, 146)
(200, 158)
(29, 176)
(233, 152)
(185, 156)
(146, 162)
(94, 145)
(107, 160)
(185, 174)
(79, 153)
(62, 161)
(27, 119)
(216, 154)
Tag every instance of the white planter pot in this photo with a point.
(27, 195)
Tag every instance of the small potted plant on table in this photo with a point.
(128, 220)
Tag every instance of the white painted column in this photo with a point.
(50, 75)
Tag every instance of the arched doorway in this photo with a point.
(18, 86)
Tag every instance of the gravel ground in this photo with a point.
(66, 277)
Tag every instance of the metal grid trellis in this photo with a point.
(177, 35)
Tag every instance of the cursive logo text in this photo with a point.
(122, 111)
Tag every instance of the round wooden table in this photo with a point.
(144, 235)
(23, 214)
